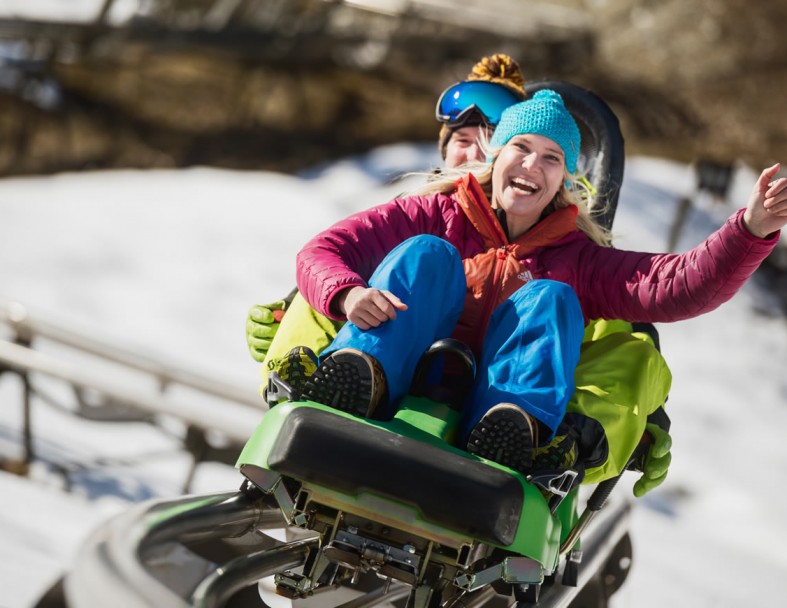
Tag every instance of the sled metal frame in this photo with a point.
(118, 565)
(238, 414)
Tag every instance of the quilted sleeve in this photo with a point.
(347, 253)
(615, 284)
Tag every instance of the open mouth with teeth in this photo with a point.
(525, 186)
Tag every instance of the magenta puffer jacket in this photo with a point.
(610, 283)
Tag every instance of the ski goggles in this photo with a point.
(459, 101)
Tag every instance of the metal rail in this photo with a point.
(137, 393)
(28, 326)
(234, 421)
(122, 564)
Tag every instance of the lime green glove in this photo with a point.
(657, 460)
(261, 327)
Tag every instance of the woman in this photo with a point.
(509, 261)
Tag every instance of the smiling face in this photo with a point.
(526, 176)
(463, 147)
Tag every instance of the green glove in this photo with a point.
(261, 327)
(657, 460)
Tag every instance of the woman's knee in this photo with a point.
(427, 254)
(437, 249)
(422, 262)
(548, 290)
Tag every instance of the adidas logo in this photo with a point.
(525, 276)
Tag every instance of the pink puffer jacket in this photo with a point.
(610, 283)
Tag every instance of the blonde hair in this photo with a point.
(577, 193)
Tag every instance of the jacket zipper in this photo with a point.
(500, 255)
(489, 306)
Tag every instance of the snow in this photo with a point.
(168, 263)
(70, 11)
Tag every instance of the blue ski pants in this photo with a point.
(530, 350)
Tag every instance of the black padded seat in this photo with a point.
(459, 493)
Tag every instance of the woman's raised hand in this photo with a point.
(767, 208)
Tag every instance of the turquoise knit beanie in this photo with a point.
(543, 114)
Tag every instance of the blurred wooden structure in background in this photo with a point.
(251, 83)
(285, 84)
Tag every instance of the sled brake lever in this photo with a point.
(279, 390)
(559, 483)
(597, 500)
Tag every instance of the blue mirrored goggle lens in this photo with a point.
(489, 98)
